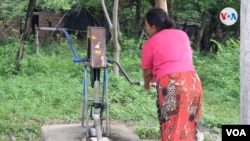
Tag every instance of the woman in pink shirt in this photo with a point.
(167, 60)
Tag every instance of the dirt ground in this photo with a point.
(210, 135)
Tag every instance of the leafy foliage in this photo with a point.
(220, 77)
(57, 4)
(12, 10)
(49, 90)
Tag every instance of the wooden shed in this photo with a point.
(46, 19)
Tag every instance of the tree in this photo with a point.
(162, 4)
(114, 32)
(244, 62)
(116, 44)
(204, 16)
(25, 32)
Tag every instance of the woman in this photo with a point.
(167, 60)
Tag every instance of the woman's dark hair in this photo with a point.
(159, 18)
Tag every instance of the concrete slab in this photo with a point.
(76, 132)
(63, 132)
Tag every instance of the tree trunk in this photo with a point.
(25, 32)
(244, 62)
(114, 32)
(162, 4)
(138, 14)
(170, 5)
(200, 32)
(107, 16)
(116, 44)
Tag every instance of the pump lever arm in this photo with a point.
(124, 73)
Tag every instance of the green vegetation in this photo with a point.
(221, 84)
(49, 89)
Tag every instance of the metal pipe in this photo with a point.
(76, 58)
(124, 73)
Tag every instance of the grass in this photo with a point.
(49, 90)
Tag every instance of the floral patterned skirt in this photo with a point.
(179, 102)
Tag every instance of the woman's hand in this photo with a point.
(150, 85)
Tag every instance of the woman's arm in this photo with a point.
(148, 76)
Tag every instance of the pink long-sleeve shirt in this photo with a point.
(166, 52)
